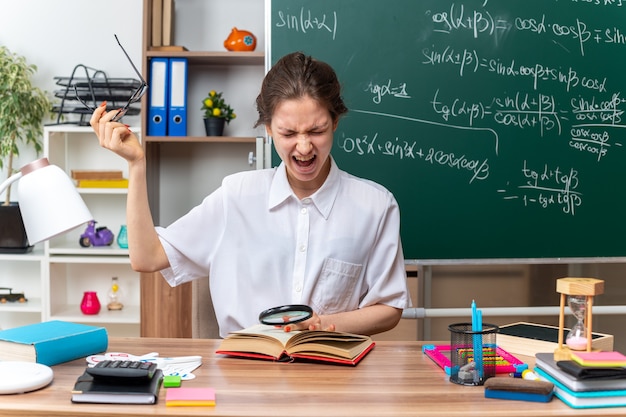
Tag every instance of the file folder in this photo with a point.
(158, 103)
(177, 116)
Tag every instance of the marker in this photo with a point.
(530, 375)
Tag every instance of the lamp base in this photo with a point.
(13, 237)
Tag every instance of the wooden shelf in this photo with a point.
(71, 312)
(213, 58)
(200, 139)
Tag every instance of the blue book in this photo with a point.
(584, 399)
(52, 342)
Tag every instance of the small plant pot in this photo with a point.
(214, 126)
(13, 237)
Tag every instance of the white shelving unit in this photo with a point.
(23, 273)
(55, 274)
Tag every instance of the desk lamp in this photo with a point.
(48, 201)
(50, 205)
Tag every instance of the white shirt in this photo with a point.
(338, 250)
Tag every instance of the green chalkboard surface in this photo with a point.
(499, 125)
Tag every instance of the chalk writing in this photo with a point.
(548, 187)
(403, 149)
(379, 91)
(305, 22)
(537, 73)
(481, 22)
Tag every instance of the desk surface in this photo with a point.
(395, 379)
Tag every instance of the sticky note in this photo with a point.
(189, 396)
(170, 381)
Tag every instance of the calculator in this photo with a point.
(123, 369)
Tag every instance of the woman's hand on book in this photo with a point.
(314, 323)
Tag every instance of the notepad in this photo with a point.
(190, 397)
(599, 359)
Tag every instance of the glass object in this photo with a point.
(115, 295)
(577, 337)
(122, 237)
(90, 303)
(134, 98)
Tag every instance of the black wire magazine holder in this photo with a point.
(92, 86)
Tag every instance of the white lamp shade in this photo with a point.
(49, 202)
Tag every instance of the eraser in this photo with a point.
(171, 381)
(519, 385)
(519, 389)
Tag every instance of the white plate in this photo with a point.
(18, 377)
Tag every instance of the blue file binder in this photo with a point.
(177, 115)
(158, 97)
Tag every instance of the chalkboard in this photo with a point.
(497, 124)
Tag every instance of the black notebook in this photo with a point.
(90, 390)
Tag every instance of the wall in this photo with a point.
(56, 35)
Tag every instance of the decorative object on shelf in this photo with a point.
(46, 185)
(214, 126)
(216, 113)
(240, 41)
(11, 296)
(90, 304)
(122, 237)
(580, 292)
(96, 236)
(23, 110)
(115, 295)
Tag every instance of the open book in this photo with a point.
(268, 342)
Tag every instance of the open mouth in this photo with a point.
(304, 163)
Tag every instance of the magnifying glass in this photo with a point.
(287, 314)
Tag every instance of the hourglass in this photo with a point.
(577, 337)
(579, 293)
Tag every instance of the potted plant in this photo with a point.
(22, 111)
(216, 113)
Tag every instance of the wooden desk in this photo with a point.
(395, 379)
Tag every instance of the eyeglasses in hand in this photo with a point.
(134, 98)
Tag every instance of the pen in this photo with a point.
(477, 326)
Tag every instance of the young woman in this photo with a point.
(305, 232)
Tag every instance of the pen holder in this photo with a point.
(469, 368)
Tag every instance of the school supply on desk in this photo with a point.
(193, 396)
(519, 389)
(52, 342)
(171, 366)
(477, 341)
(171, 381)
(137, 371)
(91, 389)
(591, 372)
(505, 362)
(599, 359)
(545, 362)
(268, 342)
(528, 339)
(584, 399)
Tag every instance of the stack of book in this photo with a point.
(584, 383)
(99, 179)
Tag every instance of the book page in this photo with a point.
(267, 331)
